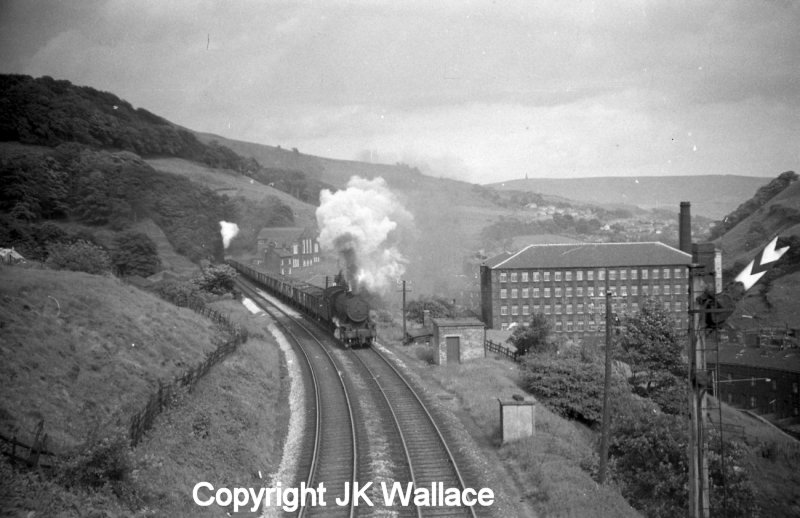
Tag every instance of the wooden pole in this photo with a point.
(699, 505)
(606, 390)
(404, 311)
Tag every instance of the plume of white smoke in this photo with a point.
(360, 223)
(228, 231)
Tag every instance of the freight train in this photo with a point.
(345, 313)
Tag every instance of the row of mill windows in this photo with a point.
(622, 274)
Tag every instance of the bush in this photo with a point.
(216, 279)
(648, 460)
(535, 337)
(439, 307)
(101, 462)
(79, 256)
(179, 293)
(570, 387)
(135, 253)
(648, 454)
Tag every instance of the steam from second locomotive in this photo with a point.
(360, 223)
(228, 231)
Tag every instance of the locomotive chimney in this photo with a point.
(685, 228)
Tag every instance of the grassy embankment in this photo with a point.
(543, 471)
(85, 352)
(548, 465)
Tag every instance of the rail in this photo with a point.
(324, 430)
(428, 418)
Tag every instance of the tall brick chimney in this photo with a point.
(685, 228)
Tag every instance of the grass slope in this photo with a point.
(84, 352)
(230, 428)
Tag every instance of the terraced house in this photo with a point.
(285, 249)
(568, 282)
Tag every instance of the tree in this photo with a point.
(649, 462)
(650, 344)
(134, 253)
(439, 307)
(535, 337)
(216, 279)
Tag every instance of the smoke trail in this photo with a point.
(228, 231)
(360, 223)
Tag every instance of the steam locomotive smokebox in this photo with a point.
(347, 305)
(355, 307)
(517, 418)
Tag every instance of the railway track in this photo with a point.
(429, 459)
(328, 455)
(369, 426)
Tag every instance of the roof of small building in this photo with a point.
(591, 255)
(280, 234)
(12, 254)
(457, 322)
(787, 359)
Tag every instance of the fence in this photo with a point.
(490, 346)
(143, 420)
(33, 455)
(37, 454)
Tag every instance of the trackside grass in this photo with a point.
(545, 470)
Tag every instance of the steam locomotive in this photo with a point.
(345, 313)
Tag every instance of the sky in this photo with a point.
(477, 90)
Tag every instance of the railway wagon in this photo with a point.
(346, 314)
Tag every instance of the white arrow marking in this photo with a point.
(750, 275)
(770, 253)
(748, 279)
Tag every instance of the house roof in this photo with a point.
(457, 322)
(591, 255)
(764, 357)
(285, 236)
(282, 236)
(11, 253)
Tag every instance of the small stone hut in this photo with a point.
(457, 340)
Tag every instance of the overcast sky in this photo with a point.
(484, 91)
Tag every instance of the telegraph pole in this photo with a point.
(606, 390)
(404, 289)
(699, 505)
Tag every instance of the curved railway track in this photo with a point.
(329, 453)
(428, 457)
(387, 421)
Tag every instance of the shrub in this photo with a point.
(79, 256)
(102, 461)
(179, 293)
(135, 253)
(570, 387)
(216, 279)
(535, 337)
(649, 462)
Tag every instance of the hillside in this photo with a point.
(89, 357)
(449, 215)
(712, 196)
(773, 300)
